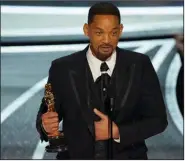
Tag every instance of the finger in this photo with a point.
(97, 124)
(47, 128)
(51, 120)
(51, 130)
(50, 115)
(54, 129)
(51, 125)
(54, 125)
(100, 114)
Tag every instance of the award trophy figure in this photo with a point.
(56, 140)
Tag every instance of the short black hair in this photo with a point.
(103, 8)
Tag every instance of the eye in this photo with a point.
(98, 33)
(115, 33)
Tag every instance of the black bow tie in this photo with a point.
(104, 67)
(103, 81)
(104, 76)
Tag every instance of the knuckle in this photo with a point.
(55, 119)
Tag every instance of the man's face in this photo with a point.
(104, 33)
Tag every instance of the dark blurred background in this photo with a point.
(33, 33)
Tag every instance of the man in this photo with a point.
(138, 107)
(180, 80)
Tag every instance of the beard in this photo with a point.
(103, 52)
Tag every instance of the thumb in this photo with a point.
(100, 114)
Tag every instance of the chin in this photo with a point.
(104, 56)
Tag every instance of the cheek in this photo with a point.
(96, 38)
(96, 41)
(115, 41)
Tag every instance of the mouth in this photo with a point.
(106, 48)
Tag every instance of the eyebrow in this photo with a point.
(102, 29)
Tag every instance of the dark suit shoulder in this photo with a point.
(67, 58)
(132, 56)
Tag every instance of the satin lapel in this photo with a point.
(124, 76)
(77, 76)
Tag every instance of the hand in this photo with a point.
(102, 127)
(50, 122)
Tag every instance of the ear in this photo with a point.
(121, 30)
(86, 29)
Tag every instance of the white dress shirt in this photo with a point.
(95, 63)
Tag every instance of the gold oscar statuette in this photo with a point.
(57, 142)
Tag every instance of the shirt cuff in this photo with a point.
(117, 140)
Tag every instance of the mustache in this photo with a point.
(106, 45)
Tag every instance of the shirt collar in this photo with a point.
(94, 63)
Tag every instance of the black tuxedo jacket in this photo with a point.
(139, 109)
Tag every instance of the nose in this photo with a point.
(106, 38)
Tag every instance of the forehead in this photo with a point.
(105, 21)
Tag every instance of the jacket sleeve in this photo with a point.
(151, 110)
(40, 129)
(43, 107)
